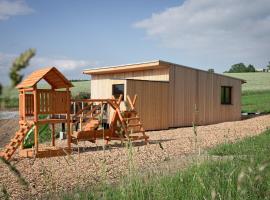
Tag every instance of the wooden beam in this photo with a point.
(51, 121)
(68, 119)
(92, 100)
(36, 107)
(134, 99)
(53, 135)
(130, 103)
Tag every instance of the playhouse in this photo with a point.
(82, 118)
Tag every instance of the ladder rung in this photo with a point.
(9, 147)
(133, 125)
(15, 140)
(131, 118)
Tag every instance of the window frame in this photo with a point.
(223, 95)
(113, 91)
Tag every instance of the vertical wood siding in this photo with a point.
(195, 97)
(152, 103)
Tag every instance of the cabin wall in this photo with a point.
(100, 84)
(152, 102)
(102, 89)
(195, 96)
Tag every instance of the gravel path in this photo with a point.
(93, 164)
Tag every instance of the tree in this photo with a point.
(18, 64)
(211, 70)
(250, 68)
(237, 68)
(241, 67)
(268, 66)
(1, 88)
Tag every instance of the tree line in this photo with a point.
(241, 68)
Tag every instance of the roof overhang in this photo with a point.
(127, 68)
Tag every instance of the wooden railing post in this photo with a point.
(36, 107)
(68, 119)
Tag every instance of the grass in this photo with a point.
(241, 177)
(256, 92)
(248, 146)
(256, 81)
(256, 101)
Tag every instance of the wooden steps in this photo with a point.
(16, 141)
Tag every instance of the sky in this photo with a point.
(76, 35)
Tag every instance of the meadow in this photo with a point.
(255, 92)
(258, 81)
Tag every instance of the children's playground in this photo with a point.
(81, 120)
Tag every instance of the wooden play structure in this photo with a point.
(123, 125)
(38, 106)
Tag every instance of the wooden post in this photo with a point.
(74, 108)
(36, 107)
(53, 113)
(82, 108)
(53, 135)
(22, 110)
(68, 119)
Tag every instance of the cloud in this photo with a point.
(65, 64)
(225, 31)
(9, 8)
(72, 68)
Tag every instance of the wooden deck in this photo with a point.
(44, 152)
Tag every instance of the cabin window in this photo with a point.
(117, 90)
(226, 95)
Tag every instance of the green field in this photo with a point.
(256, 101)
(256, 92)
(255, 80)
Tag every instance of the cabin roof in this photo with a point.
(140, 67)
(125, 68)
(54, 77)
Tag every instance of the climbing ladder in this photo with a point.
(17, 140)
(130, 121)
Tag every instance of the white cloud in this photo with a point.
(72, 68)
(65, 64)
(10, 8)
(224, 30)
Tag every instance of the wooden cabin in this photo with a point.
(171, 95)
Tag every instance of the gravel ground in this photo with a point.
(89, 164)
(8, 128)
